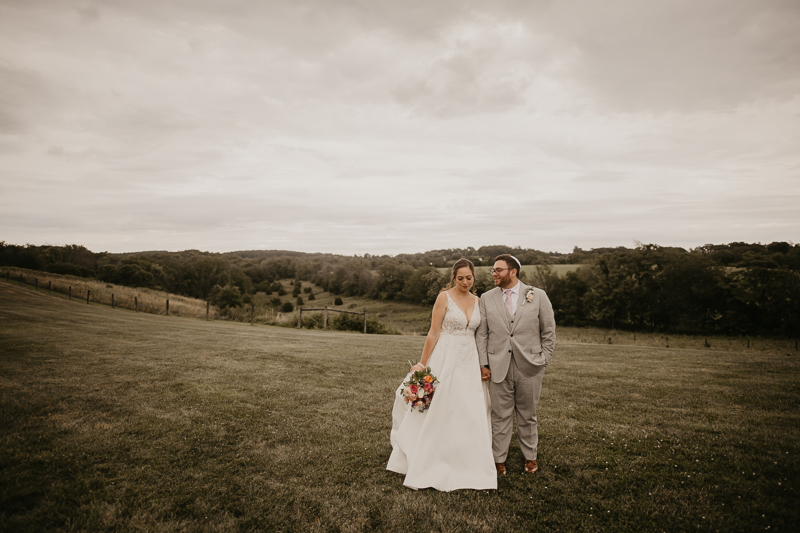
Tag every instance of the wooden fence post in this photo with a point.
(300, 318)
(252, 312)
(325, 320)
(365, 321)
(208, 308)
(667, 341)
(136, 303)
(112, 300)
(88, 292)
(70, 292)
(168, 306)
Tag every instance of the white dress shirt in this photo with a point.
(514, 295)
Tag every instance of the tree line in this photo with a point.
(735, 288)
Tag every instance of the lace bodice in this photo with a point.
(455, 321)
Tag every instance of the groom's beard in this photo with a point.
(504, 282)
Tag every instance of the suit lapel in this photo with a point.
(501, 307)
(520, 304)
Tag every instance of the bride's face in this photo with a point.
(464, 279)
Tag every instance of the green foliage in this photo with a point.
(265, 287)
(424, 285)
(350, 322)
(311, 296)
(287, 307)
(69, 269)
(275, 302)
(338, 301)
(227, 296)
(392, 280)
(300, 301)
(736, 288)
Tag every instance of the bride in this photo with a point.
(448, 447)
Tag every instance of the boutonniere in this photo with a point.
(529, 295)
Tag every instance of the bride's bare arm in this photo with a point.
(439, 310)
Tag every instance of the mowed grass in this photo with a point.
(113, 420)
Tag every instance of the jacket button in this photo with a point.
(509, 351)
(512, 334)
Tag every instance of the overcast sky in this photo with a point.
(383, 127)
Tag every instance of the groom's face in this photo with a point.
(502, 275)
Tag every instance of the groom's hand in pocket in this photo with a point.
(485, 373)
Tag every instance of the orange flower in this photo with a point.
(428, 379)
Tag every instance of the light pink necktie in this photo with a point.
(508, 293)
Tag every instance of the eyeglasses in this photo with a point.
(498, 270)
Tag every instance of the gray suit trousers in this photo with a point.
(523, 393)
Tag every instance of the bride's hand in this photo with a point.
(416, 367)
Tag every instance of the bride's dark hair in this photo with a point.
(461, 263)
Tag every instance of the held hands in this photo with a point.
(485, 373)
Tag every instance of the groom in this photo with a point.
(515, 339)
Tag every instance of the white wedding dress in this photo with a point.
(448, 447)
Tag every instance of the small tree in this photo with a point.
(275, 302)
(227, 296)
(287, 307)
(296, 291)
(300, 300)
(307, 290)
(311, 297)
(281, 291)
(338, 301)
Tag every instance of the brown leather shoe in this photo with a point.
(531, 467)
(501, 469)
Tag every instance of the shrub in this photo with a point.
(338, 301)
(311, 297)
(307, 290)
(265, 287)
(275, 302)
(281, 291)
(227, 296)
(300, 300)
(296, 291)
(287, 307)
(348, 322)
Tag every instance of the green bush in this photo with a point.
(348, 322)
(311, 297)
(265, 287)
(300, 300)
(227, 296)
(275, 302)
(281, 291)
(287, 307)
(338, 301)
(307, 290)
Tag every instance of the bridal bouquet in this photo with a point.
(419, 389)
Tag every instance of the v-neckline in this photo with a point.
(468, 317)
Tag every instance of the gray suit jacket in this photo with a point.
(531, 334)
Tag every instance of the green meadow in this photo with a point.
(114, 420)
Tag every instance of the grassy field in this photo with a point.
(118, 421)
